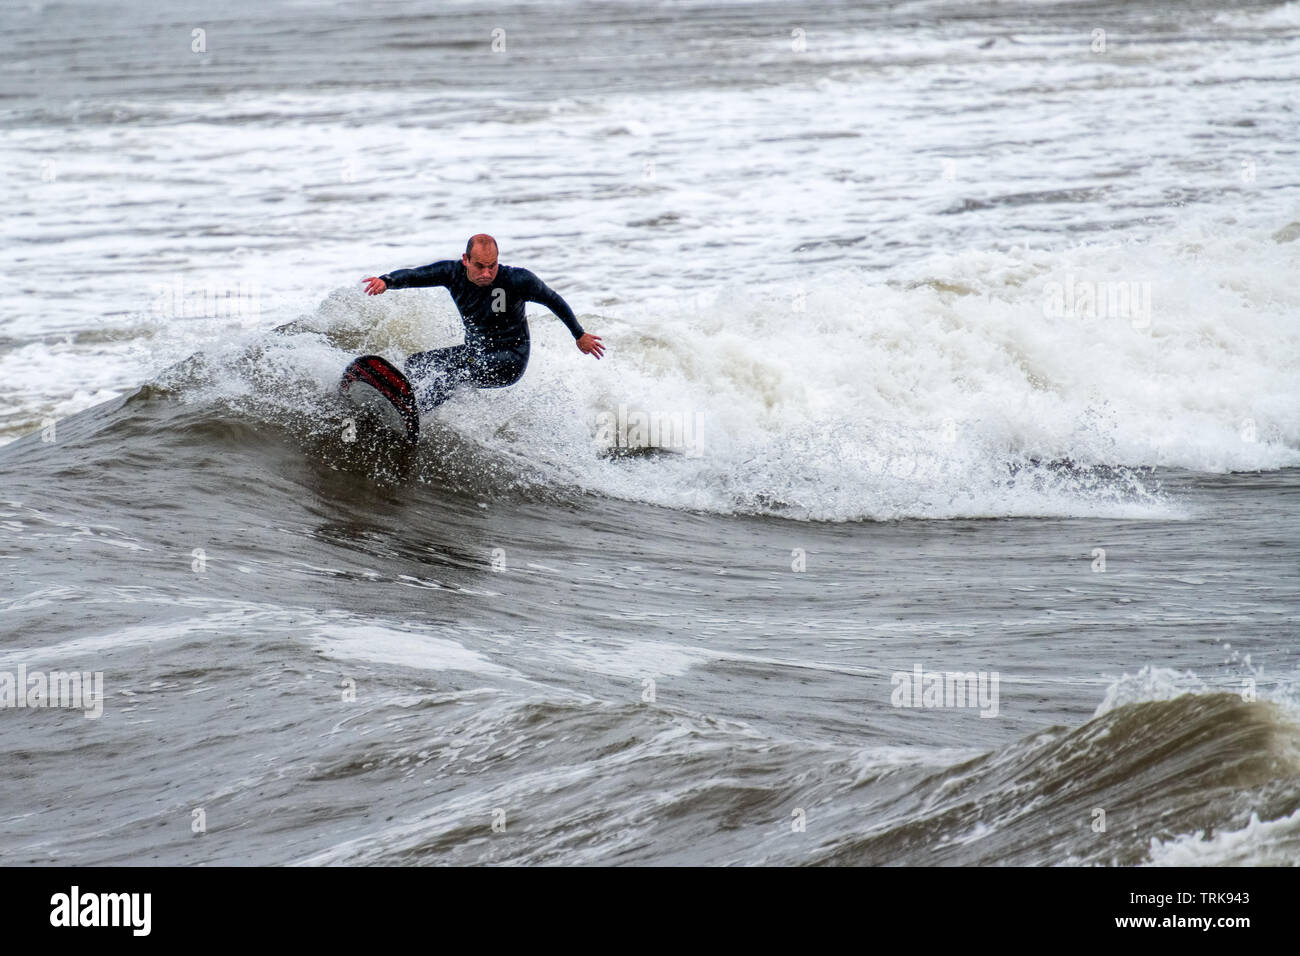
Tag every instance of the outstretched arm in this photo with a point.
(538, 291)
(435, 273)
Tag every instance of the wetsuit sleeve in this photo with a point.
(535, 290)
(435, 273)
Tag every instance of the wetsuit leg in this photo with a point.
(436, 373)
(498, 368)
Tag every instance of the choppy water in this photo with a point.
(981, 346)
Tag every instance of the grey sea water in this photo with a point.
(957, 344)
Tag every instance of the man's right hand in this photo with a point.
(375, 285)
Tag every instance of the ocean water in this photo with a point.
(943, 339)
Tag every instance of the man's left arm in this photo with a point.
(535, 290)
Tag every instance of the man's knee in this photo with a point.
(498, 369)
(441, 362)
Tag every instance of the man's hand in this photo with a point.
(375, 285)
(590, 344)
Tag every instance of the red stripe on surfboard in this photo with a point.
(404, 405)
(397, 381)
(365, 375)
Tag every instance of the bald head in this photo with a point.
(481, 239)
(480, 259)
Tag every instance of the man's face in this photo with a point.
(481, 266)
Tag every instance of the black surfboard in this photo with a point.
(379, 390)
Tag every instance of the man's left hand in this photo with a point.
(590, 345)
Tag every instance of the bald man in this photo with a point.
(490, 299)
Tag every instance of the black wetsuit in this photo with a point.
(495, 352)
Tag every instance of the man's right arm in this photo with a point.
(435, 273)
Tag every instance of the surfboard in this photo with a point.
(381, 392)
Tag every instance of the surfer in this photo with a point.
(490, 298)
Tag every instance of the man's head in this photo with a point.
(480, 259)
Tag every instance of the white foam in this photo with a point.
(911, 396)
(1258, 843)
(631, 660)
(1150, 683)
(230, 618)
(377, 644)
(1286, 16)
